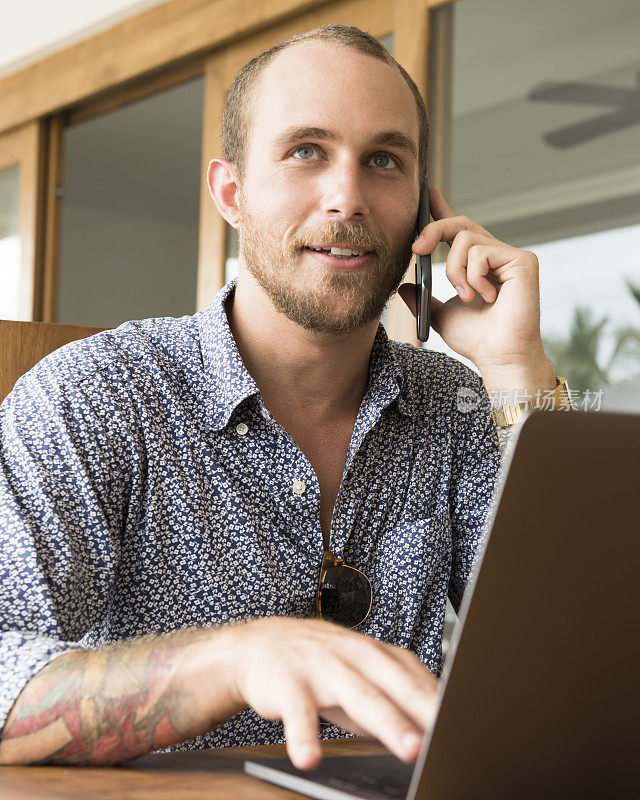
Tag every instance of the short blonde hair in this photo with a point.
(236, 118)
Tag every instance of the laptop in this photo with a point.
(540, 693)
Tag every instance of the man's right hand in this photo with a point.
(296, 670)
(124, 700)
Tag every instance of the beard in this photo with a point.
(316, 298)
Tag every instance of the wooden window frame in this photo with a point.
(23, 147)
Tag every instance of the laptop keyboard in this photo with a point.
(370, 786)
(369, 777)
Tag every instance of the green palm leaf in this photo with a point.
(576, 358)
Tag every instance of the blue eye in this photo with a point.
(307, 150)
(383, 161)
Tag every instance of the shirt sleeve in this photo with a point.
(63, 496)
(475, 468)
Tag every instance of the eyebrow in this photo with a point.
(295, 133)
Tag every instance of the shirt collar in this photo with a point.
(228, 382)
(386, 375)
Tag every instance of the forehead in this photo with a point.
(329, 86)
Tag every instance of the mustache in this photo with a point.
(358, 236)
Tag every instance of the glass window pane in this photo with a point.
(9, 242)
(129, 232)
(387, 41)
(544, 140)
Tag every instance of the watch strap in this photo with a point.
(557, 399)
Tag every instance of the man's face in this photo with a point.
(331, 161)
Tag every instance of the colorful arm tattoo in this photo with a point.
(99, 707)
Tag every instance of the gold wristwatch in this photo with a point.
(558, 399)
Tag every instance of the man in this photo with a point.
(173, 475)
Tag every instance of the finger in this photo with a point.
(412, 691)
(421, 673)
(465, 272)
(300, 718)
(445, 230)
(478, 268)
(372, 710)
(338, 717)
(490, 267)
(410, 660)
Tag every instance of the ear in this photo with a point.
(223, 187)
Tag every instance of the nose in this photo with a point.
(344, 193)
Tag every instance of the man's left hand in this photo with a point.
(495, 318)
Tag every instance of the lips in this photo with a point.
(342, 251)
(344, 263)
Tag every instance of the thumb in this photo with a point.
(408, 293)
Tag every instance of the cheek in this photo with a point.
(283, 200)
(293, 195)
(291, 210)
(396, 224)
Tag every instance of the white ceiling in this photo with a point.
(502, 172)
(33, 29)
(500, 46)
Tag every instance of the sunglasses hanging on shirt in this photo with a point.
(344, 593)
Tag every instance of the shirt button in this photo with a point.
(299, 487)
(242, 429)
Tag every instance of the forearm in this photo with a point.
(110, 705)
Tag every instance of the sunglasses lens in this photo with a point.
(345, 596)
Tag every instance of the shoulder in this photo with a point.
(436, 381)
(110, 360)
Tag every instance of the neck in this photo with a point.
(301, 374)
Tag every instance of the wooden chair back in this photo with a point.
(23, 344)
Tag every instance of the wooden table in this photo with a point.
(192, 775)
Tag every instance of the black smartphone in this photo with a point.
(423, 271)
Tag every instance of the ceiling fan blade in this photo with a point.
(592, 128)
(583, 94)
